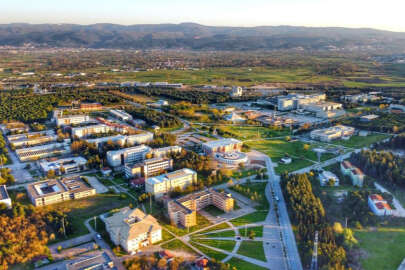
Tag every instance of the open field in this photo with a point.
(257, 216)
(221, 226)
(360, 142)
(209, 252)
(201, 223)
(230, 233)
(240, 264)
(252, 249)
(384, 248)
(257, 230)
(226, 245)
(178, 245)
(252, 132)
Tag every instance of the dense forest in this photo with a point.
(308, 215)
(26, 107)
(154, 117)
(397, 143)
(383, 166)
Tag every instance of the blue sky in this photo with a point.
(382, 14)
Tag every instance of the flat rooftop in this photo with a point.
(221, 142)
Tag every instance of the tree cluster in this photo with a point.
(154, 117)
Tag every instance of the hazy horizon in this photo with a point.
(239, 13)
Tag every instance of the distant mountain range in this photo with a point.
(198, 37)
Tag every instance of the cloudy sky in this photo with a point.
(381, 14)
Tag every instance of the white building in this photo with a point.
(64, 166)
(43, 151)
(162, 184)
(132, 229)
(236, 91)
(124, 139)
(379, 206)
(223, 145)
(149, 167)
(4, 197)
(234, 117)
(326, 177)
(165, 151)
(121, 114)
(62, 120)
(32, 138)
(127, 155)
(332, 133)
(81, 132)
(295, 101)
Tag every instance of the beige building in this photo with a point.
(162, 184)
(223, 146)
(132, 229)
(182, 211)
(58, 190)
(332, 133)
(149, 167)
(33, 138)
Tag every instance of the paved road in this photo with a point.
(293, 257)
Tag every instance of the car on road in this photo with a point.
(98, 236)
(277, 198)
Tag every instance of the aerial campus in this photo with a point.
(187, 159)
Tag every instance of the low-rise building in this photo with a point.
(332, 133)
(58, 190)
(356, 175)
(148, 167)
(223, 146)
(81, 132)
(4, 197)
(397, 108)
(368, 118)
(121, 114)
(129, 155)
(65, 120)
(163, 184)
(124, 139)
(379, 206)
(165, 151)
(236, 91)
(94, 106)
(234, 117)
(327, 178)
(15, 127)
(99, 261)
(182, 211)
(43, 151)
(295, 101)
(33, 138)
(231, 158)
(63, 166)
(132, 229)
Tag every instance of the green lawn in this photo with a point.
(201, 223)
(258, 231)
(178, 245)
(257, 216)
(243, 265)
(252, 249)
(385, 248)
(226, 245)
(213, 210)
(218, 256)
(221, 226)
(359, 141)
(252, 133)
(230, 233)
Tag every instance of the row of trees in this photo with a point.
(309, 216)
(384, 166)
(154, 117)
(151, 262)
(3, 150)
(397, 142)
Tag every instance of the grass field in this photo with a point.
(221, 226)
(213, 210)
(230, 233)
(243, 265)
(252, 249)
(359, 142)
(178, 245)
(385, 248)
(258, 231)
(252, 133)
(218, 256)
(257, 216)
(226, 245)
(201, 223)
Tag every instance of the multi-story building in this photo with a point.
(223, 146)
(91, 106)
(58, 190)
(353, 172)
(162, 184)
(43, 151)
(64, 120)
(81, 132)
(182, 211)
(132, 229)
(294, 101)
(63, 166)
(236, 91)
(124, 139)
(15, 127)
(33, 138)
(149, 167)
(165, 151)
(4, 197)
(379, 206)
(121, 114)
(332, 133)
(127, 155)
(327, 177)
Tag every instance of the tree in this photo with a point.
(252, 234)
(51, 174)
(162, 263)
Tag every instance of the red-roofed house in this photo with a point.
(379, 206)
(353, 172)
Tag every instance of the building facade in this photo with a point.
(163, 184)
(132, 229)
(127, 155)
(81, 132)
(222, 146)
(332, 133)
(58, 190)
(4, 197)
(182, 211)
(148, 168)
(379, 206)
(33, 138)
(121, 114)
(43, 151)
(64, 166)
(356, 175)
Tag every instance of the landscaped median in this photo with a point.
(213, 254)
(252, 249)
